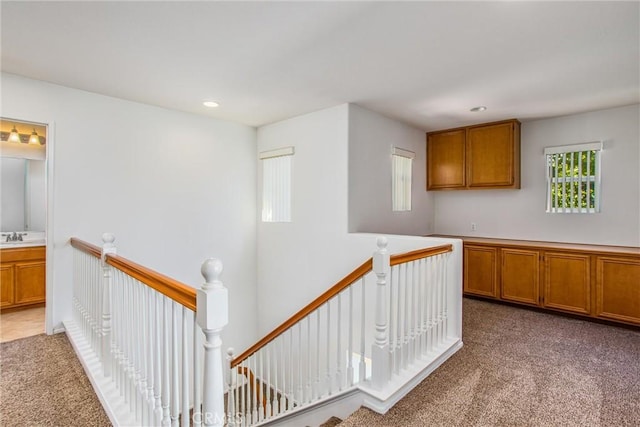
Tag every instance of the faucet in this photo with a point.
(15, 237)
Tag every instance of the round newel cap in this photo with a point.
(211, 269)
(230, 352)
(108, 238)
(382, 242)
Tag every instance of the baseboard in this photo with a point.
(401, 385)
(109, 397)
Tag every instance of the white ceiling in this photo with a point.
(425, 63)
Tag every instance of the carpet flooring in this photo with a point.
(525, 368)
(517, 368)
(42, 383)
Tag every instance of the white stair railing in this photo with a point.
(338, 342)
(146, 331)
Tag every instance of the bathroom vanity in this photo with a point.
(22, 275)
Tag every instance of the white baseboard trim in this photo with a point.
(400, 385)
(113, 404)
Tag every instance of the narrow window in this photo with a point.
(276, 184)
(573, 178)
(401, 165)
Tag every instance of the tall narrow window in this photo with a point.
(401, 165)
(573, 178)
(276, 184)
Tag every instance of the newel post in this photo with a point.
(380, 367)
(107, 248)
(212, 315)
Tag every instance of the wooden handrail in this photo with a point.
(419, 254)
(86, 247)
(312, 306)
(336, 289)
(177, 291)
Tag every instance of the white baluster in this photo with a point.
(393, 319)
(339, 355)
(175, 397)
(362, 368)
(380, 351)
(166, 361)
(254, 389)
(107, 248)
(232, 394)
(415, 328)
(350, 349)
(275, 407)
(150, 304)
(328, 376)
(212, 315)
(157, 373)
(260, 394)
(197, 374)
(309, 390)
(185, 369)
(318, 391)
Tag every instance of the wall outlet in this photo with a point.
(474, 226)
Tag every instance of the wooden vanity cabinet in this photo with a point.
(22, 275)
(481, 271)
(589, 280)
(475, 157)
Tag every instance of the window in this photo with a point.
(573, 178)
(276, 185)
(401, 163)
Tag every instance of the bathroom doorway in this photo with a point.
(23, 228)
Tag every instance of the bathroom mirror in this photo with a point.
(22, 179)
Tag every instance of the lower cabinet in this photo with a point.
(22, 276)
(481, 271)
(595, 281)
(618, 289)
(520, 276)
(6, 285)
(567, 282)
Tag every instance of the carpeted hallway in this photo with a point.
(525, 368)
(517, 368)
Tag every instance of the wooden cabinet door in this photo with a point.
(520, 276)
(618, 289)
(6, 285)
(481, 271)
(446, 160)
(493, 156)
(30, 279)
(567, 284)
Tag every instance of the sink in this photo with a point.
(29, 238)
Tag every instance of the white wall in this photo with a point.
(371, 136)
(520, 214)
(298, 261)
(174, 188)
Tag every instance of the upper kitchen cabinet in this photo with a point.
(445, 160)
(475, 157)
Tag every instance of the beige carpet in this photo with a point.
(524, 368)
(43, 384)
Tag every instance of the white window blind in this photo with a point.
(573, 178)
(401, 167)
(276, 185)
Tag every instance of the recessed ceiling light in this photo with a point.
(478, 109)
(210, 104)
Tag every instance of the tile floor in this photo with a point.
(21, 324)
